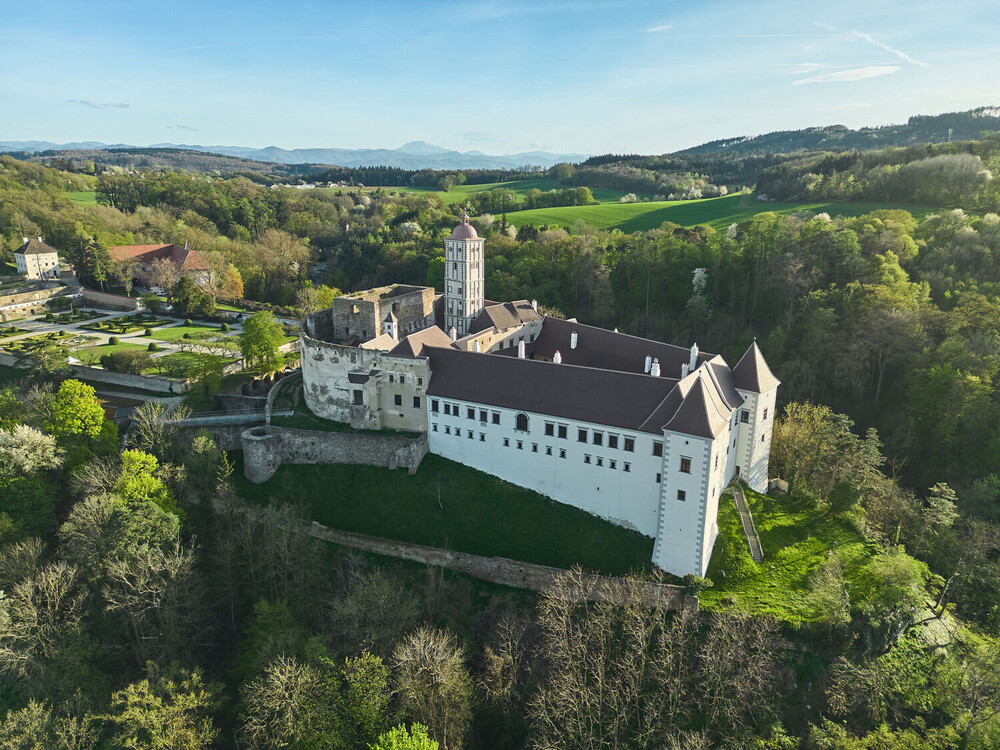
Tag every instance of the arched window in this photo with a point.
(521, 423)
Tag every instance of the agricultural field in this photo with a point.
(446, 504)
(520, 187)
(797, 538)
(717, 213)
(83, 198)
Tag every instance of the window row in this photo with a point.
(401, 379)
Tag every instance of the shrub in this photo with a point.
(129, 362)
(187, 335)
(148, 332)
(49, 317)
(224, 327)
(113, 340)
(152, 347)
(187, 322)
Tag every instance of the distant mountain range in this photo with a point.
(957, 126)
(413, 155)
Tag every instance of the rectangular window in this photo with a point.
(681, 495)
(471, 434)
(402, 378)
(744, 416)
(397, 400)
(581, 436)
(562, 453)
(685, 465)
(482, 437)
(562, 431)
(434, 406)
(716, 462)
(598, 438)
(612, 441)
(447, 430)
(447, 408)
(548, 450)
(359, 398)
(600, 461)
(550, 429)
(626, 466)
(629, 444)
(657, 448)
(496, 417)
(586, 459)
(391, 378)
(420, 381)
(520, 445)
(765, 413)
(482, 416)
(470, 413)
(534, 447)
(658, 477)
(612, 464)
(434, 427)
(416, 402)
(506, 442)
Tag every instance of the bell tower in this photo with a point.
(463, 277)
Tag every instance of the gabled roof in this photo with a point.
(184, 257)
(415, 344)
(504, 315)
(35, 247)
(580, 393)
(752, 373)
(383, 342)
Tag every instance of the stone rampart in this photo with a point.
(267, 448)
(154, 383)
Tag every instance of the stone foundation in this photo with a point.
(267, 448)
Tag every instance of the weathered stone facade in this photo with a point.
(365, 388)
(360, 316)
(267, 448)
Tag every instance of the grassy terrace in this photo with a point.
(717, 213)
(449, 505)
(796, 541)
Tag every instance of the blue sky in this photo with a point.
(582, 76)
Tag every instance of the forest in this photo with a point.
(178, 612)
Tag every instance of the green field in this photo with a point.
(449, 505)
(175, 333)
(717, 213)
(84, 353)
(796, 538)
(88, 198)
(520, 187)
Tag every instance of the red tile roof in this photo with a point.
(183, 257)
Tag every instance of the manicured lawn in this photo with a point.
(177, 332)
(449, 505)
(84, 198)
(77, 316)
(7, 331)
(83, 353)
(183, 364)
(58, 337)
(128, 323)
(717, 213)
(796, 541)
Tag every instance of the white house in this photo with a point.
(37, 260)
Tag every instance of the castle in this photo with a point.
(641, 433)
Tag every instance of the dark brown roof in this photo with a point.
(35, 247)
(752, 373)
(598, 347)
(615, 399)
(504, 315)
(415, 344)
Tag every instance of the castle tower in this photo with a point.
(463, 277)
(757, 385)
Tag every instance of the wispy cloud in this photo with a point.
(661, 27)
(803, 68)
(853, 74)
(95, 105)
(892, 50)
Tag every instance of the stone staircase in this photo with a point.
(746, 519)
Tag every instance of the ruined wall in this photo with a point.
(359, 316)
(362, 386)
(267, 448)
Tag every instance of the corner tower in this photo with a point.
(463, 277)
(757, 385)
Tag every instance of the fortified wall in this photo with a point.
(360, 316)
(366, 388)
(267, 448)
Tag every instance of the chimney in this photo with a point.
(475, 346)
(39, 238)
(654, 369)
(25, 239)
(573, 338)
(520, 350)
(649, 363)
(693, 364)
(534, 305)
(685, 370)
(453, 333)
(557, 357)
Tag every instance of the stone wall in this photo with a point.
(145, 382)
(267, 448)
(19, 301)
(360, 316)
(110, 301)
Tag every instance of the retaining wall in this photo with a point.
(110, 301)
(267, 448)
(146, 382)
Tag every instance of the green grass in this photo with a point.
(188, 364)
(477, 513)
(84, 198)
(304, 419)
(7, 331)
(8, 269)
(175, 333)
(76, 316)
(82, 352)
(717, 213)
(796, 540)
